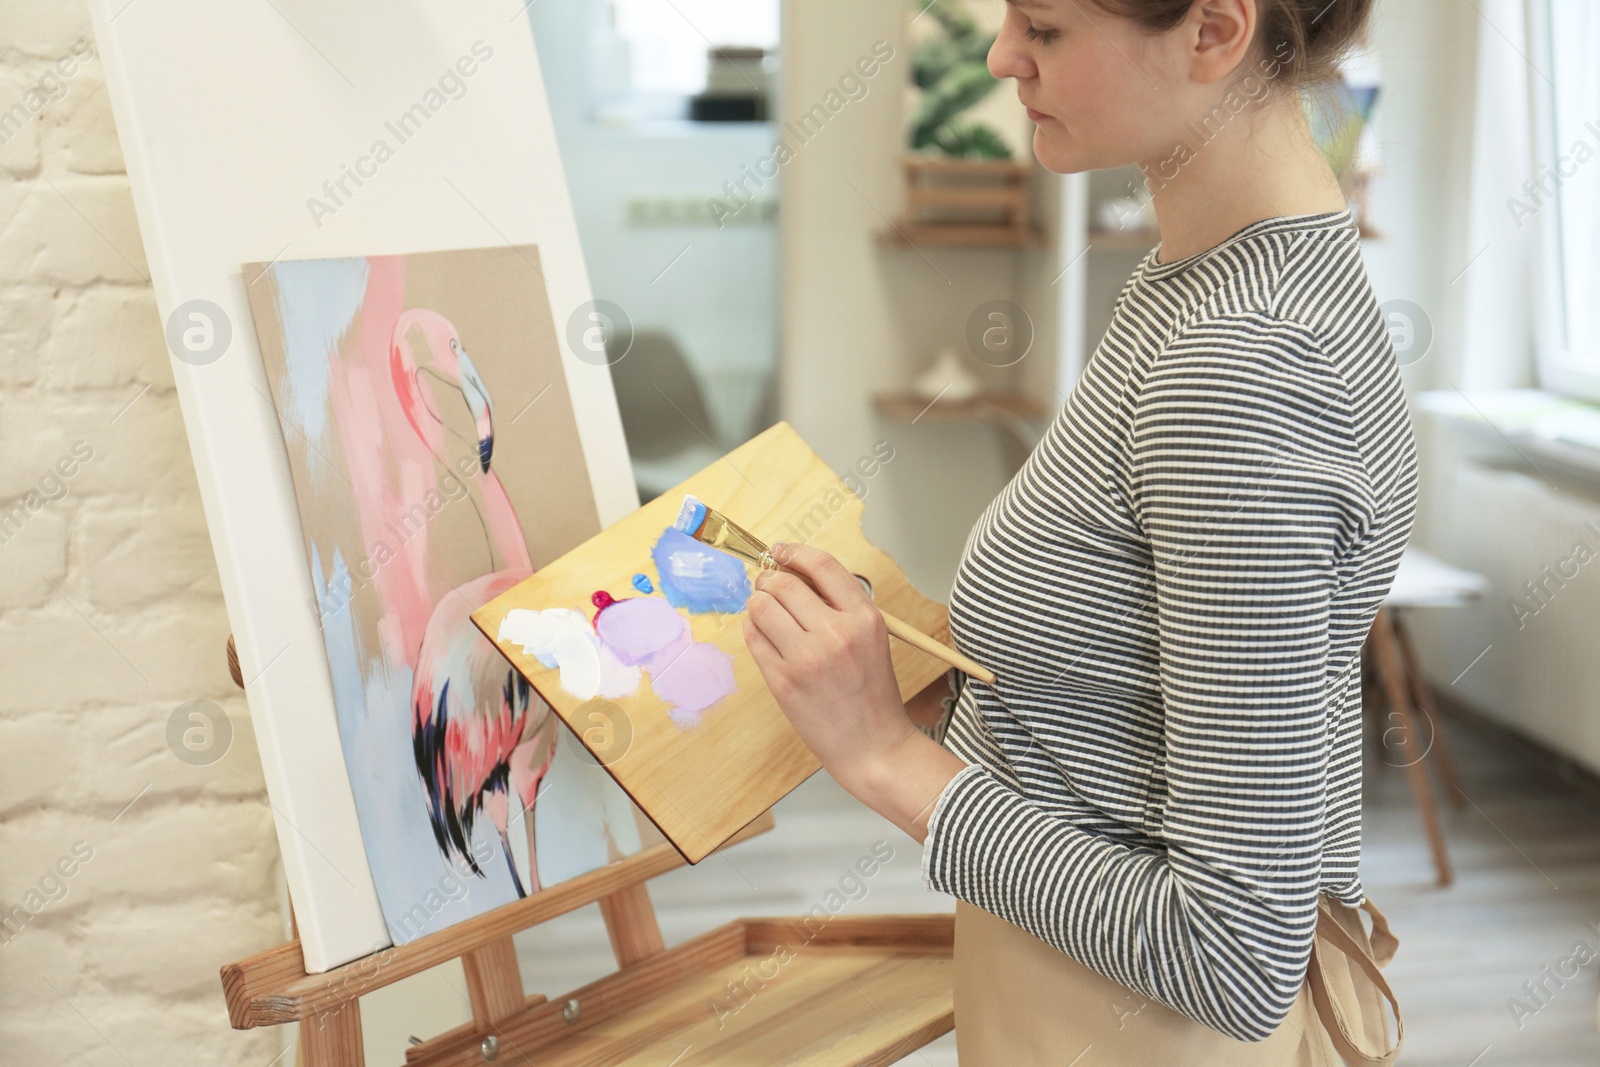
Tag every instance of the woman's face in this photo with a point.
(1101, 90)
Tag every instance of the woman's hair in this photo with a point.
(1312, 34)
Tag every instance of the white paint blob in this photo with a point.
(688, 564)
(562, 637)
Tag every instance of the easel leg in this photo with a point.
(631, 924)
(1430, 711)
(1391, 674)
(494, 982)
(332, 1039)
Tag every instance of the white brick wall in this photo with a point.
(110, 618)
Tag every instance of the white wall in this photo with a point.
(860, 316)
(1454, 251)
(1420, 202)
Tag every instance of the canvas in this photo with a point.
(436, 460)
(487, 172)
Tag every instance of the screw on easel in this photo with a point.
(569, 1010)
(490, 1048)
(414, 1039)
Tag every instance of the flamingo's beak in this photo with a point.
(477, 395)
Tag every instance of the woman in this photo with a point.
(1144, 817)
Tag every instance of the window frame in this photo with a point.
(1560, 368)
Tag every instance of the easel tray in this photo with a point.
(802, 990)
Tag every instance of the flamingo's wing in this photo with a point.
(469, 712)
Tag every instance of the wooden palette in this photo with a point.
(700, 784)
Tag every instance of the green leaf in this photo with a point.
(974, 139)
(947, 98)
(933, 61)
(955, 19)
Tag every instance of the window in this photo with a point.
(653, 55)
(1564, 194)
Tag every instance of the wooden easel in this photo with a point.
(823, 990)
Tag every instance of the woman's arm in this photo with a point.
(823, 649)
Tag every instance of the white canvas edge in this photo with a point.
(246, 491)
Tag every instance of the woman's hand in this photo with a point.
(823, 649)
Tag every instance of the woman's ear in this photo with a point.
(1219, 34)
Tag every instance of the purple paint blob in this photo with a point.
(697, 678)
(639, 628)
(648, 632)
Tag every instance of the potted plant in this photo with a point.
(962, 182)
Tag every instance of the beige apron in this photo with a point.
(1019, 1001)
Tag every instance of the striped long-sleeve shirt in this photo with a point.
(1173, 592)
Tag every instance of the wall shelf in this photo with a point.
(960, 235)
(986, 407)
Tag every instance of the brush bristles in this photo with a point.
(690, 516)
(712, 527)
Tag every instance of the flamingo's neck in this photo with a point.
(403, 377)
(505, 532)
(494, 506)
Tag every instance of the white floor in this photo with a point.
(1525, 843)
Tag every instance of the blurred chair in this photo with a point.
(1391, 676)
(669, 430)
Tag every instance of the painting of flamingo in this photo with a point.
(470, 707)
(430, 481)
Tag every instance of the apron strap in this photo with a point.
(1345, 988)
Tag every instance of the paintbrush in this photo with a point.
(711, 527)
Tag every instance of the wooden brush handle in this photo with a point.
(917, 639)
(911, 635)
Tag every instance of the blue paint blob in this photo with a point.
(698, 577)
(641, 582)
